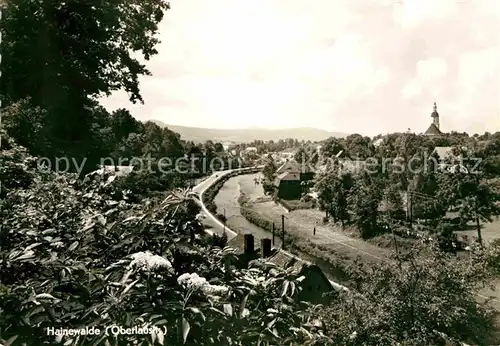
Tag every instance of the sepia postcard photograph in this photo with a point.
(250, 173)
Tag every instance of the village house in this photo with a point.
(312, 281)
(448, 159)
(288, 185)
(116, 170)
(345, 164)
(291, 178)
(288, 153)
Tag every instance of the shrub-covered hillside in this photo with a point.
(79, 253)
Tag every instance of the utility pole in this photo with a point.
(411, 210)
(273, 232)
(224, 223)
(314, 230)
(283, 228)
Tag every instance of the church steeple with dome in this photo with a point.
(433, 129)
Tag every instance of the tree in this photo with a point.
(364, 201)
(427, 298)
(64, 55)
(218, 147)
(357, 146)
(333, 191)
(394, 202)
(269, 170)
(73, 29)
(332, 147)
(465, 188)
(26, 124)
(301, 156)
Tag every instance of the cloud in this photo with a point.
(429, 76)
(368, 66)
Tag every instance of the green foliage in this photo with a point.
(424, 300)
(269, 170)
(332, 147)
(91, 46)
(333, 191)
(269, 188)
(364, 203)
(82, 253)
(358, 146)
(59, 57)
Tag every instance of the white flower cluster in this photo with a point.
(195, 282)
(147, 261)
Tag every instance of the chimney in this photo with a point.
(265, 247)
(248, 244)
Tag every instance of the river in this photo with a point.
(226, 201)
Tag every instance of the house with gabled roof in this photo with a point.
(290, 177)
(313, 282)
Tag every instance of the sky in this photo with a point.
(356, 66)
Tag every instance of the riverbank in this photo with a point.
(230, 200)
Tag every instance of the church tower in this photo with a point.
(435, 116)
(433, 129)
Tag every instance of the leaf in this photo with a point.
(160, 336)
(32, 246)
(245, 313)
(271, 324)
(242, 306)
(130, 219)
(285, 287)
(87, 227)
(129, 287)
(49, 230)
(73, 246)
(45, 296)
(272, 332)
(153, 317)
(11, 340)
(216, 310)
(197, 311)
(25, 256)
(185, 330)
(153, 337)
(101, 219)
(228, 309)
(14, 254)
(111, 211)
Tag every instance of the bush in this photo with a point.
(269, 188)
(73, 255)
(219, 240)
(296, 204)
(447, 239)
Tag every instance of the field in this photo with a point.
(301, 223)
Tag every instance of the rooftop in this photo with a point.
(295, 167)
(433, 130)
(443, 152)
(287, 176)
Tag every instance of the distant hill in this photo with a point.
(198, 134)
